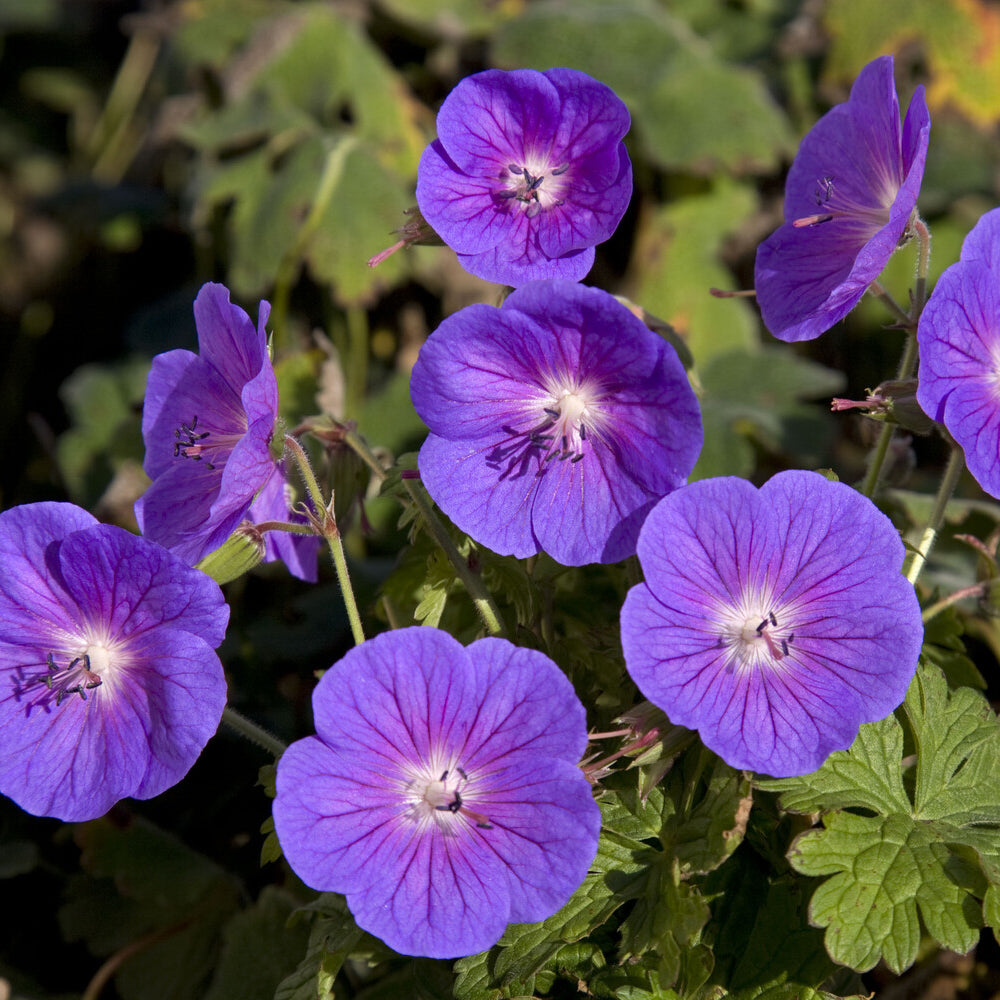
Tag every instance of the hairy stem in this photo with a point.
(956, 462)
(326, 524)
(255, 734)
(907, 364)
(481, 598)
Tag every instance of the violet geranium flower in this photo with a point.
(959, 340)
(851, 191)
(441, 793)
(527, 174)
(207, 424)
(557, 421)
(773, 621)
(111, 686)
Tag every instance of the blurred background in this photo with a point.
(148, 147)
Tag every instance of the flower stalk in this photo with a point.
(952, 472)
(485, 605)
(325, 523)
(256, 734)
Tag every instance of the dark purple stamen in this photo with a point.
(75, 678)
(188, 443)
(457, 804)
(778, 649)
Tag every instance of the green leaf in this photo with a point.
(690, 110)
(356, 223)
(958, 753)
(387, 417)
(944, 649)
(883, 869)
(258, 949)
(677, 261)
(712, 828)
(333, 936)
(703, 115)
(902, 862)
(143, 881)
(103, 403)
(450, 19)
(665, 919)
(764, 944)
(212, 29)
(616, 874)
(247, 123)
(758, 395)
(867, 776)
(332, 70)
(961, 43)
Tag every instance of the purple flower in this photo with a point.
(851, 191)
(527, 174)
(557, 421)
(207, 424)
(959, 341)
(111, 686)
(773, 621)
(442, 792)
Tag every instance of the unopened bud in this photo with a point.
(416, 231)
(240, 553)
(894, 401)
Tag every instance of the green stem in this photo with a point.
(112, 143)
(484, 603)
(907, 364)
(952, 472)
(307, 474)
(289, 526)
(488, 611)
(360, 447)
(976, 590)
(327, 526)
(254, 733)
(878, 290)
(288, 269)
(344, 577)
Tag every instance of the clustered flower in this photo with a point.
(111, 685)
(557, 421)
(527, 174)
(442, 792)
(207, 424)
(849, 198)
(959, 341)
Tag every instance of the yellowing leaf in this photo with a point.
(961, 40)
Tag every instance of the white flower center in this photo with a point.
(534, 185)
(570, 418)
(444, 801)
(756, 633)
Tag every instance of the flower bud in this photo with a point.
(239, 554)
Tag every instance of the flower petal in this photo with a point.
(839, 633)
